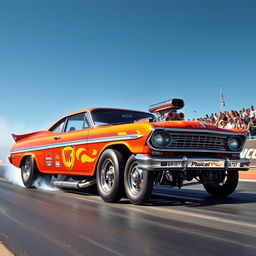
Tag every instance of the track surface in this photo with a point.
(174, 222)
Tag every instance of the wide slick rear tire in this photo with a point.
(30, 174)
(109, 175)
(225, 188)
(138, 184)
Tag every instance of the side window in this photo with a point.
(86, 122)
(76, 122)
(59, 127)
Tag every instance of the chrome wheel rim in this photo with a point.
(107, 175)
(135, 179)
(26, 172)
(224, 179)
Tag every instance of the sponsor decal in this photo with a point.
(174, 164)
(233, 164)
(217, 164)
(199, 164)
(48, 160)
(57, 161)
(206, 164)
(68, 156)
(249, 151)
(57, 164)
(84, 156)
(194, 164)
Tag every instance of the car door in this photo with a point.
(71, 145)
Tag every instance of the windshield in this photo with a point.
(118, 116)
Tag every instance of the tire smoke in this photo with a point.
(13, 174)
(40, 183)
(8, 171)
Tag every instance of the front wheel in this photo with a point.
(138, 184)
(226, 187)
(109, 175)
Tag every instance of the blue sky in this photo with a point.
(58, 56)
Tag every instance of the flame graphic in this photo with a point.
(84, 157)
(216, 164)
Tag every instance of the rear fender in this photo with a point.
(24, 157)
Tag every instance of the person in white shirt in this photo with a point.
(252, 112)
(230, 124)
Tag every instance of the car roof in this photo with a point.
(95, 108)
(91, 109)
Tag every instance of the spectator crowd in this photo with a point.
(245, 120)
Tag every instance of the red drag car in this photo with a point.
(128, 152)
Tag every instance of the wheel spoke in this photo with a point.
(135, 179)
(107, 175)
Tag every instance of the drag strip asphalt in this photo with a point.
(174, 222)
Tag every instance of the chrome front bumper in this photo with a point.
(183, 164)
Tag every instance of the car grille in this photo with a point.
(198, 142)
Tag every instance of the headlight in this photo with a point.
(161, 139)
(235, 143)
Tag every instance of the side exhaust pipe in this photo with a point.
(74, 184)
(86, 184)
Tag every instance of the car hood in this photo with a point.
(192, 125)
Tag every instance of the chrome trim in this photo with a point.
(66, 184)
(90, 119)
(154, 163)
(194, 150)
(206, 130)
(85, 184)
(74, 184)
(80, 142)
(192, 131)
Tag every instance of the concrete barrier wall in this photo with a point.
(250, 153)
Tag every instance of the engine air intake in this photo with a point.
(166, 106)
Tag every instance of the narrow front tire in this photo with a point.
(138, 184)
(109, 175)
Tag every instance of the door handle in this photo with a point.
(56, 137)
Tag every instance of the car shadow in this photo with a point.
(176, 197)
(200, 199)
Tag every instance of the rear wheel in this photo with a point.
(30, 174)
(109, 175)
(138, 184)
(224, 188)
